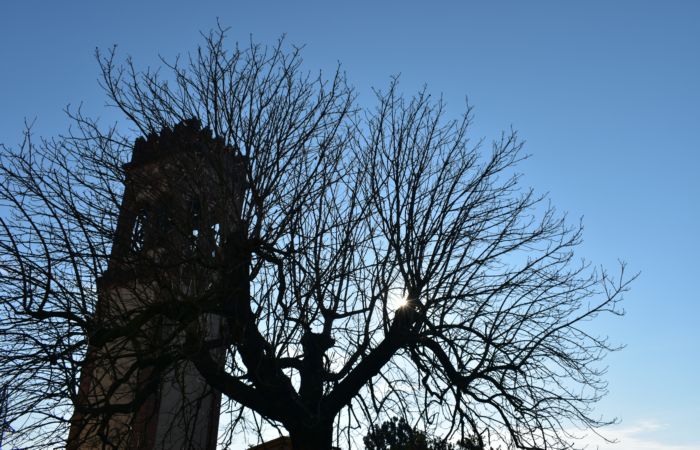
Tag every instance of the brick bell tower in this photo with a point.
(182, 198)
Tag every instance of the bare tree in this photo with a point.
(376, 263)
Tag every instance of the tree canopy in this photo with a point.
(397, 434)
(381, 264)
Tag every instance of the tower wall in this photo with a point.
(183, 195)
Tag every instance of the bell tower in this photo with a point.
(183, 192)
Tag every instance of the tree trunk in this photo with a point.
(319, 437)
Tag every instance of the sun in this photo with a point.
(397, 299)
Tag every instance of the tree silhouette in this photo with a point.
(397, 434)
(380, 264)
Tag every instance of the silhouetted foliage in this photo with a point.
(374, 263)
(397, 434)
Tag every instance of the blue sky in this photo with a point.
(605, 93)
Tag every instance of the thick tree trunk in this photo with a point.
(319, 437)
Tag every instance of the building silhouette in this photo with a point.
(182, 198)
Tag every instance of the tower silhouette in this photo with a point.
(182, 199)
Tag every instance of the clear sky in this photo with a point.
(606, 93)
